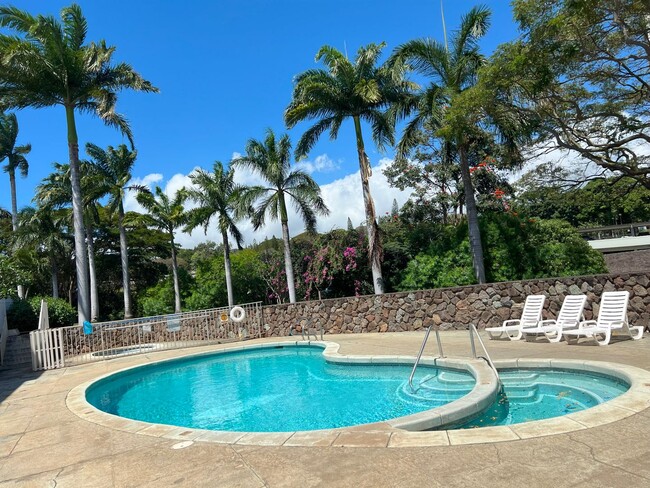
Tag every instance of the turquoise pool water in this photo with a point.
(293, 388)
(535, 394)
(273, 390)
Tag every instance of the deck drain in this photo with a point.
(182, 445)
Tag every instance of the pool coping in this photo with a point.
(403, 431)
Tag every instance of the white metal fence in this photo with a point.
(4, 330)
(120, 338)
(47, 350)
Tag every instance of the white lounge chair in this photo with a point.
(569, 318)
(612, 316)
(530, 317)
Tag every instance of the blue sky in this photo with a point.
(224, 69)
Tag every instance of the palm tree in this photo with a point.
(40, 228)
(55, 191)
(47, 64)
(15, 156)
(271, 159)
(16, 160)
(445, 107)
(113, 167)
(359, 91)
(216, 193)
(166, 215)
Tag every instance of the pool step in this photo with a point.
(443, 386)
(447, 377)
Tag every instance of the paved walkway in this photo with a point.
(42, 443)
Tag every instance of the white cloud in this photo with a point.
(150, 181)
(343, 197)
(321, 164)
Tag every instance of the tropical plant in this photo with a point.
(41, 229)
(48, 63)
(471, 122)
(15, 156)
(166, 215)
(16, 160)
(360, 91)
(216, 193)
(55, 191)
(248, 284)
(113, 167)
(271, 159)
(582, 67)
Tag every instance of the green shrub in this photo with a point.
(60, 312)
(452, 268)
(21, 316)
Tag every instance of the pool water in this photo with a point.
(273, 390)
(535, 394)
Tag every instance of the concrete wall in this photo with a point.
(454, 308)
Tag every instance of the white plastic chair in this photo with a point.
(530, 317)
(569, 318)
(612, 316)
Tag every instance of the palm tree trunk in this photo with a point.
(54, 270)
(226, 260)
(288, 265)
(124, 255)
(177, 288)
(374, 240)
(94, 294)
(472, 216)
(14, 219)
(81, 258)
(14, 204)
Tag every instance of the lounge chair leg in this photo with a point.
(554, 336)
(515, 337)
(636, 332)
(605, 341)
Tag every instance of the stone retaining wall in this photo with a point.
(454, 308)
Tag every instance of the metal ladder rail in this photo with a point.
(302, 333)
(473, 330)
(424, 343)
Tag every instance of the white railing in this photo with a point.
(47, 349)
(4, 330)
(120, 338)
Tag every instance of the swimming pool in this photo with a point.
(273, 390)
(287, 388)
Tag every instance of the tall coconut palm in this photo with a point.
(215, 193)
(360, 91)
(452, 69)
(41, 229)
(55, 191)
(271, 159)
(166, 215)
(15, 156)
(47, 63)
(16, 160)
(113, 168)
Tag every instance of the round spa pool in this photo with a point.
(273, 390)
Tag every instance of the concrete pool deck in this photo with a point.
(43, 443)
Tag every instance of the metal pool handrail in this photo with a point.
(473, 330)
(424, 343)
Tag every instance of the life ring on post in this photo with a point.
(237, 314)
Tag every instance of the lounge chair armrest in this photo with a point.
(587, 323)
(547, 322)
(511, 322)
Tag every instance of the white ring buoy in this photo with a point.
(237, 314)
